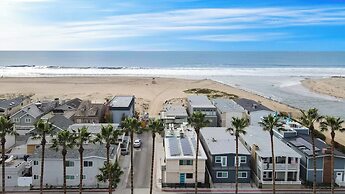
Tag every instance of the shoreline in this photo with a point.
(332, 86)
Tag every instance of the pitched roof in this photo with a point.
(30, 109)
(87, 109)
(61, 121)
(12, 102)
(251, 105)
(69, 105)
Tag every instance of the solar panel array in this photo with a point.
(304, 146)
(173, 146)
(186, 148)
(194, 144)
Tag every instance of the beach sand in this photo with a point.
(329, 86)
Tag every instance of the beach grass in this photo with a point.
(211, 93)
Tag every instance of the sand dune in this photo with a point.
(329, 86)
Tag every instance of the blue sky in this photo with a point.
(150, 25)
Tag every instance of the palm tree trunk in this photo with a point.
(314, 158)
(3, 141)
(332, 162)
(132, 174)
(43, 143)
(196, 161)
(109, 173)
(110, 179)
(153, 160)
(236, 168)
(81, 150)
(64, 152)
(273, 166)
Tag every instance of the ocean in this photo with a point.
(275, 75)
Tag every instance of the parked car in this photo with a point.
(137, 143)
(125, 146)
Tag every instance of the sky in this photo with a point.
(173, 25)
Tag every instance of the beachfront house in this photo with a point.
(67, 108)
(24, 120)
(297, 137)
(88, 112)
(94, 158)
(121, 107)
(255, 110)
(178, 163)
(10, 106)
(226, 109)
(17, 172)
(174, 115)
(220, 148)
(203, 104)
(287, 160)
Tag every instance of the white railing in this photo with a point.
(266, 166)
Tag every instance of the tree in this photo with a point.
(308, 119)
(269, 123)
(43, 128)
(333, 124)
(110, 170)
(197, 121)
(155, 126)
(108, 136)
(239, 125)
(64, 140)
(131, 126)
(82, 136)
(6, 128)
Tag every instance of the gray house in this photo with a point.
(174, 114)
(220, 148)
(121, 107)
(94, 158)
(297, 137)
(226, 109)
(203, 104)
(10, 106)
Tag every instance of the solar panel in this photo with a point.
(173, 146)
(194, 144)
(306, 144)
(186, 148)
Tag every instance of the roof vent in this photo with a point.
(255, 106)
(214, 140)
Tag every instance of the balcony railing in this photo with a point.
(266, 166)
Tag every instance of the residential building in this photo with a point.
(89, 113)
(68, 108)
(297, 137)
(203, 104)
(255, 110)
(226, 109)
(220, 148)
(33, 143)
(94, 158)
(24, 120)
(17, 172)
(287, 160)
(10, 106)
(121, 107)
(178, 164)
(93, 128)
(174, 114)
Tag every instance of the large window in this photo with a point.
(242, 175)
(222, 174)
(35, 162)
(186, 162)
(242, 160)
(221, 160)
(189, 175)
(88, 163)
(69, 163)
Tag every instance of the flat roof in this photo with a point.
(200, 101)
(251, 105)
(92, 127)
(221, 142)
(175, 110)
(255, 135)
(227, 105)
(121, 101)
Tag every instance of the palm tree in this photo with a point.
(108, 136)
(308, 119)
(155, 126)
(334, 124)
(64, 140)
(43, 128)
(110, 170)
(82, 136)
(239, 125)
(198, 121)
(6, 128)
(131, 126)
(269, 123)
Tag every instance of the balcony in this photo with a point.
(269, 166)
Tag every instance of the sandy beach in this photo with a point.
(329, 86)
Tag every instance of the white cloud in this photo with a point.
(240, 37)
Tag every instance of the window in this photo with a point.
(9, 177)
(35, 162)
(242, 175)
(69, 163)
(222, 160)
(243, 160)
(87, 163)
(16, 120)
(218, 159)
(70, 177)
(84, 176)
(222, 174)
(186, 162)
(189, 175)
(35, 177)
(27, 120)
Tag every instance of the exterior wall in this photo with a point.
(226, 118)
(79, 119)
(12, 174)
(30, 149)
(23, 127)
(54, 176)
(118, 114)
(12, 110)
(319, 170)
(173, 170)
(10, 141)
(256, 116)
(211, 114)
